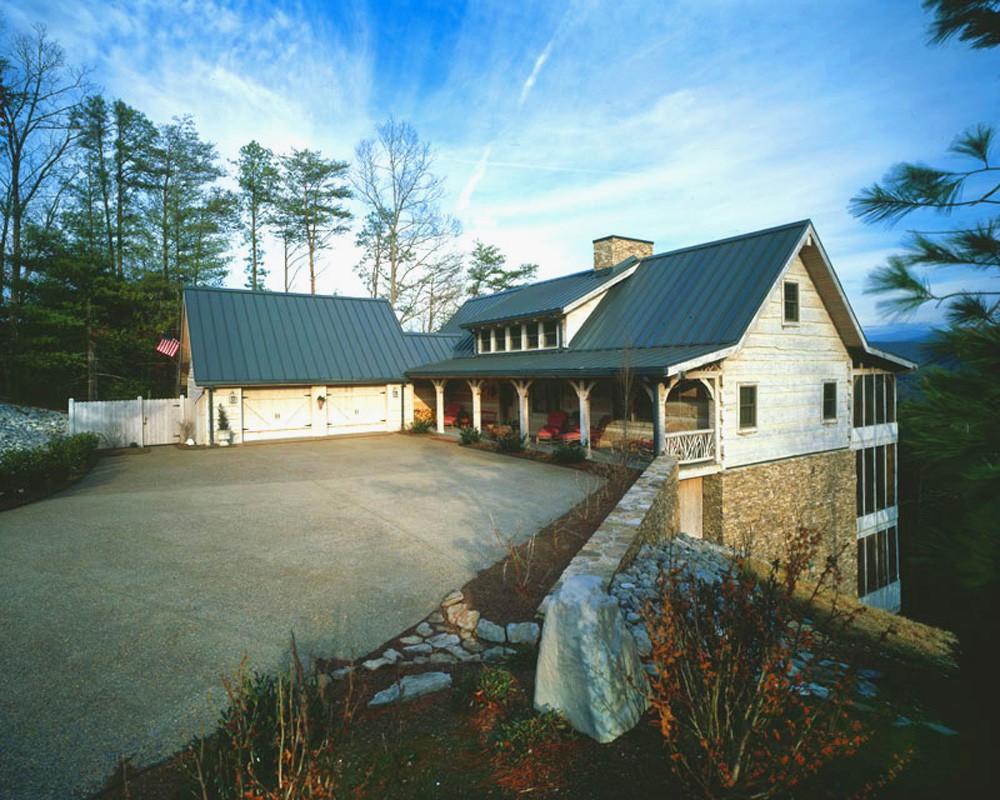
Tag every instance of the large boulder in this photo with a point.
(588, 665)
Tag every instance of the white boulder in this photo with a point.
(588, 664)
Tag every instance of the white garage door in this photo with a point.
(355, 408)
(276, 413)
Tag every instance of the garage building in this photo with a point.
(284, 366)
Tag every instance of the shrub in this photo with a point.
(469, 435)
(741, 713)
(521, 736)
(569, 453)
(273, 741)
(423, 420)
(508, 438)
(43, 468)
(497, 685)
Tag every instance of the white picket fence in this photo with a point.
(120, 423)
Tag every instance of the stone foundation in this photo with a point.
(756, 510)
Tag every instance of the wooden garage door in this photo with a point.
(352, 407)
(276, 413)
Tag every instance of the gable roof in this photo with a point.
(545, 298)
(672, 311)
(240, 337)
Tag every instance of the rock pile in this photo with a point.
(23, 427)
(453, 634)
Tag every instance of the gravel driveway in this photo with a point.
(125, 598)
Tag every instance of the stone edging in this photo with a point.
(648, 513)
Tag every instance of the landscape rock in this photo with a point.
(405, 640)
(490, 631)
(340, 674)
(435, 617)
(498, 653)
(443, 640)
(412, 686)
(423, 629)
(589, 669)
(441, 658)
(642, 641)
(392, 655)
(375, 663)
(24, 427)
(413, 650)
(467, 620)
(454, 596)
(523, 632)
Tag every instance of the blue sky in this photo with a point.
(556, 123)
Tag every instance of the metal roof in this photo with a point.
(569, 363)
(245, 338)
(544, 298)
(706, 294)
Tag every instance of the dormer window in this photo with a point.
(550, 331)
(484, 341)
(791, 302)
(501, 340)
(532, 342)
(515, 337)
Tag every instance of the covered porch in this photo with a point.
(678, 416)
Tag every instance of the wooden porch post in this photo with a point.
(477, 407)
(583, 389)
(658, 397)
(521, 387)
(439, 402)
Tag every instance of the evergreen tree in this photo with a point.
(488, 273)
(949, 436)
(257, 174)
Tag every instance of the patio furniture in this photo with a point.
(596, 432)
(452, 411)
(553, 428)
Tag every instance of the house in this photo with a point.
(741, 357)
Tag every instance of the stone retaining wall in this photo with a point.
(648, 513)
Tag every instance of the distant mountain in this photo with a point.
(899, 332)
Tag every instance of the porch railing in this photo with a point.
(691, 446)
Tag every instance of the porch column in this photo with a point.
(583, 389)
(477, 395)
(439, 395)
(658, 398)
(717, 408)
(521, 387)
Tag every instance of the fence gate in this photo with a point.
(120, 423)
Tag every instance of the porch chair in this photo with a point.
(452, 411)
(596, 432)
(553, 428)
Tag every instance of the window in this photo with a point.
(515, 337)
(550, 329)
(874, 399)
(876, 478)
(748, 407)
(830, 400)
(791, 302)
(501, 340)
(878, 560)
(532, 336)
(484, 340)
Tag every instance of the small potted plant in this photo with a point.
(320, 400)
(225, 434)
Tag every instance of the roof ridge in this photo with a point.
(231, 290)
(728, 239)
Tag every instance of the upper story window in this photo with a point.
(550, 330)
(874, 399)
(791, 312)
(829, 401)
(533, 335)
(748, 407)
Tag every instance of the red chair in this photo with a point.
(452, 411)
(553, 428)
(596, 432)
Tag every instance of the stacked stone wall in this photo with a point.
(758, 509)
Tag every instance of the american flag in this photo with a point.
(168, 346)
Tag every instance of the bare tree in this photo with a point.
(39, 94)
(406, 238)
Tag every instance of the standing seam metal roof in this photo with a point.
(244, 338)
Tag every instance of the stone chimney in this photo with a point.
(613, 250)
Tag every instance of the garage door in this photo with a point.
(276, 413)
(355, 408)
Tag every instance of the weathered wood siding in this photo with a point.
(789, 364)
